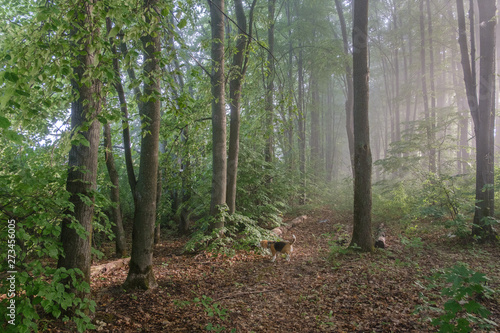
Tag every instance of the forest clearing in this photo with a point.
(324, 288)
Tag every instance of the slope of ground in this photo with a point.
(316, 291)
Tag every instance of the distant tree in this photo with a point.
(348, 82)
(362, 230)
(269, 148)
(482, 111)
(140, 273)
(219, 155)
(425, 94)
(76, 229)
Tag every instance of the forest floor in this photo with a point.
(317, 291)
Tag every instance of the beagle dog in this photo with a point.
(281, 247)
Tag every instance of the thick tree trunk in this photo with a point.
(82, 162)
(362, 230)
(120, 243)
(482, 112)
(484, 129)
(219, 157)
(141, 274)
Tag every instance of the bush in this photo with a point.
(462, 289)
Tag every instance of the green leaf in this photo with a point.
(4, 122)
(472, 306)
(11, 77)
(13, 136)
(182, 23)
(452, 306)
(113, 32)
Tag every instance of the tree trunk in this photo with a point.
(314, 138)
(159, 187)
(235, 85)
(124, 110)
(362, 230)
(141, 274)
(301, 128)
(290, 155)
(482, 112)
(425, 96)
(120, 243)
(397, 121)
(432, 114)
(219, 157)
(349, 85)
(484, 128)
(82, 162)
(269, 149)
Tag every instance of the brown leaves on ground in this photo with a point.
(318, 291)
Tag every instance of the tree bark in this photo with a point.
(314, 137)
(349, 85)
(141, 274)
(269, 149)
(124, 110)
(120, 243)
(425, 95)
(482, 112)
(362, 229)
(432, 114)
(219, 157)
(301, 128)
(484, 128)
(76, 228)
(235, 85)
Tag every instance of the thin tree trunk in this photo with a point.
(219, 157)
(425, 96)
(290, 129)
(120, 243)
(82, 161)
(432, 117)
(362, 229)
(397, 121)
(269, 149)
(141, 273)
(235, 85)
(301, 128)
(314, 140)
(124, 109)
(349, 85)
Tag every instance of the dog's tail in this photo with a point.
(294, 239)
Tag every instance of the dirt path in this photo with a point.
(315, 292)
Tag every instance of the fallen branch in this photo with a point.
(284, 228)
(109, 267)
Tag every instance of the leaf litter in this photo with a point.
(324, 288)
